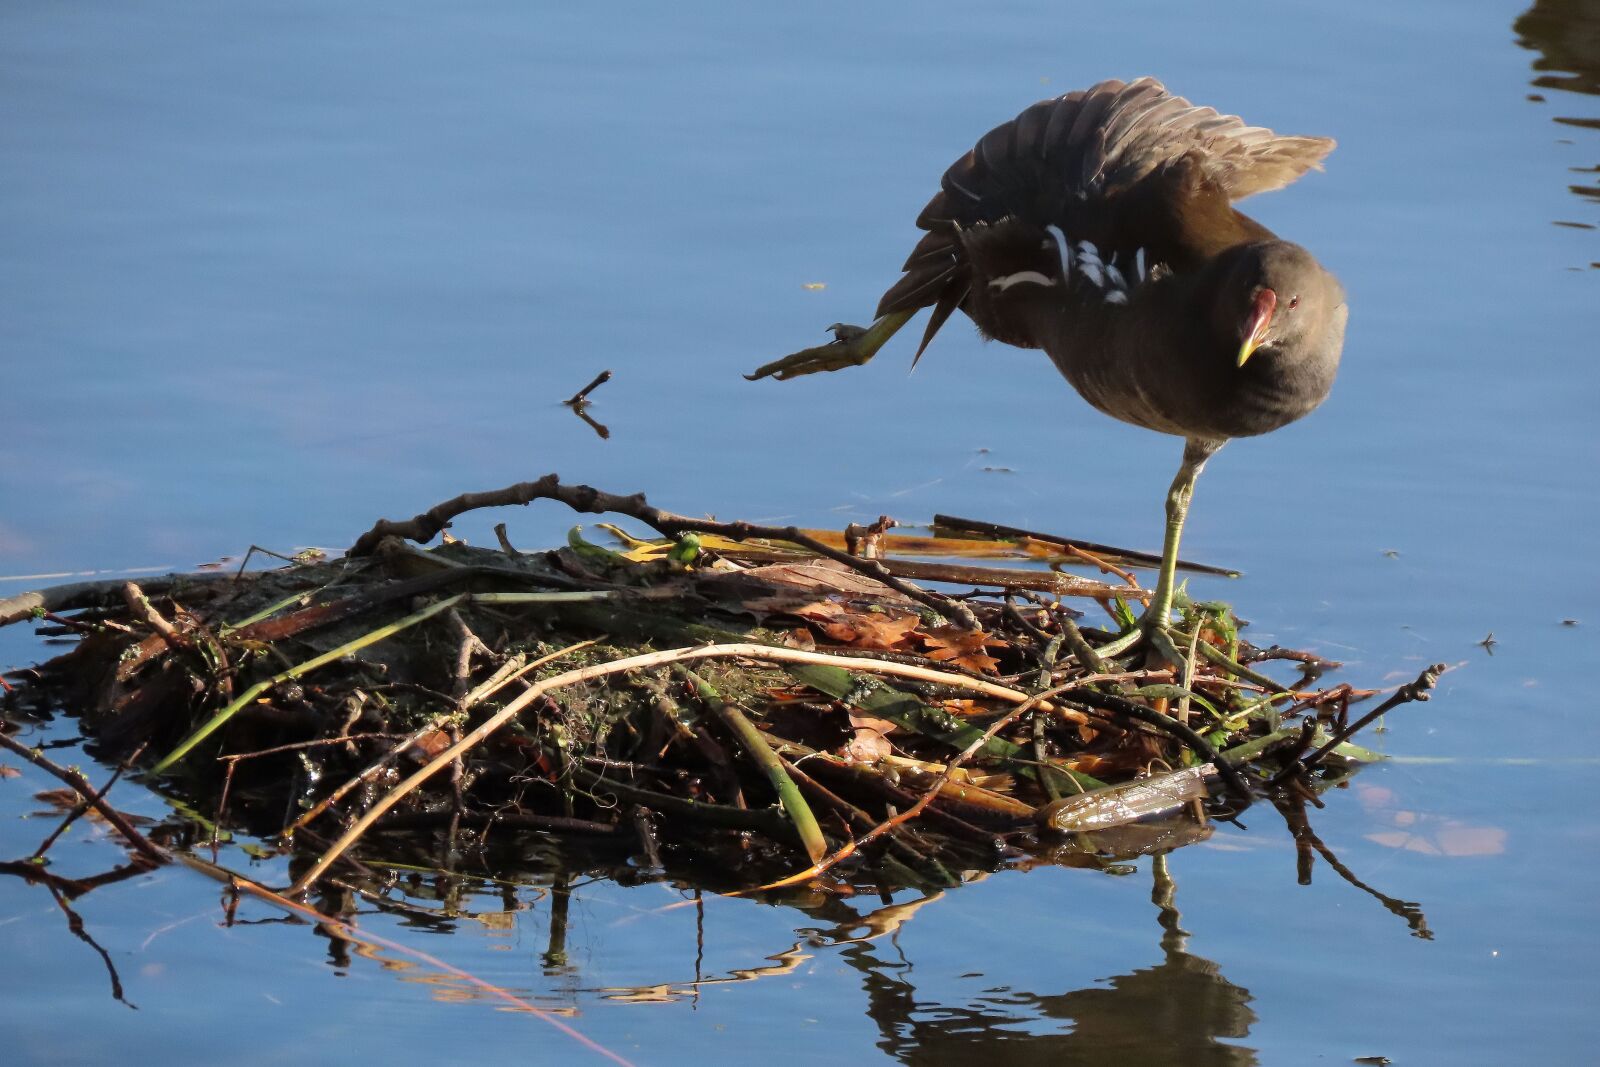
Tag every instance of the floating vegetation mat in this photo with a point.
(795, 706)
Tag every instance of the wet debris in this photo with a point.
(867, 707)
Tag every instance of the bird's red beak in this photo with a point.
(1255, 327)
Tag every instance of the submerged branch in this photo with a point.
(91, 797)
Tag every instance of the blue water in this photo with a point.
(269, 273)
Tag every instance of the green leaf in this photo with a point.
(1176, 692)
(687, 548)
(1358, 754)
(588, 551)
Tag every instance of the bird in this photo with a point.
(1099, 226)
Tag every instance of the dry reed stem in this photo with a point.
(657, 659)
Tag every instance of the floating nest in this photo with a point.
(776, 700)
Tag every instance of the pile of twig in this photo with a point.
(726, 687)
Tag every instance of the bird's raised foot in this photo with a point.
(851, 347)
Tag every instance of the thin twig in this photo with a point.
(588, 500)
(300, 745)
(34, 872)
(1412, 691)
(139, 605)
(81, 785)
(1105, 566)
(470, 643)
(82, 806)
(505, 542)
(581, 397)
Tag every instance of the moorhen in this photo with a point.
(1099, 227)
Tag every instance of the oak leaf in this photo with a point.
(870, 743)
(965, 648)
(862, 629)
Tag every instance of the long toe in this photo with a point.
(844, 351)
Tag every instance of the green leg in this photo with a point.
(851, 347)
(1157, 618)
(1195, 454)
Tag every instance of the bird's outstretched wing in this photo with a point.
(1100, 165)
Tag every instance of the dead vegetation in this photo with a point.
(796, 705)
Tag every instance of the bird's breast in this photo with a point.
(1155, 369)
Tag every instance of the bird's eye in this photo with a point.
(1294, 302)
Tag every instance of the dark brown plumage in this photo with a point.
(1100, 227)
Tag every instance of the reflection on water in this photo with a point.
(1308, 846)
(537, 897)
(1566, 34)
(1177, 1011)
(1181, 1009)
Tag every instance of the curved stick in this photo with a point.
(586, 499)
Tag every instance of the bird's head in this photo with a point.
(1274, 295)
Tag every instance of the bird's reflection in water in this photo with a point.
(1181, 1010)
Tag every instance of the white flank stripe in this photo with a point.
(1089, 263)
(1063, 250)
(1023, 277)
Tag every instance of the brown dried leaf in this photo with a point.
(868, 747)
(883, 631)
(7, 771)
(800, 638)
(965, 648)
(870, 743)
(860, 629)
(431, 744)
(818, 610)
(862, 721)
